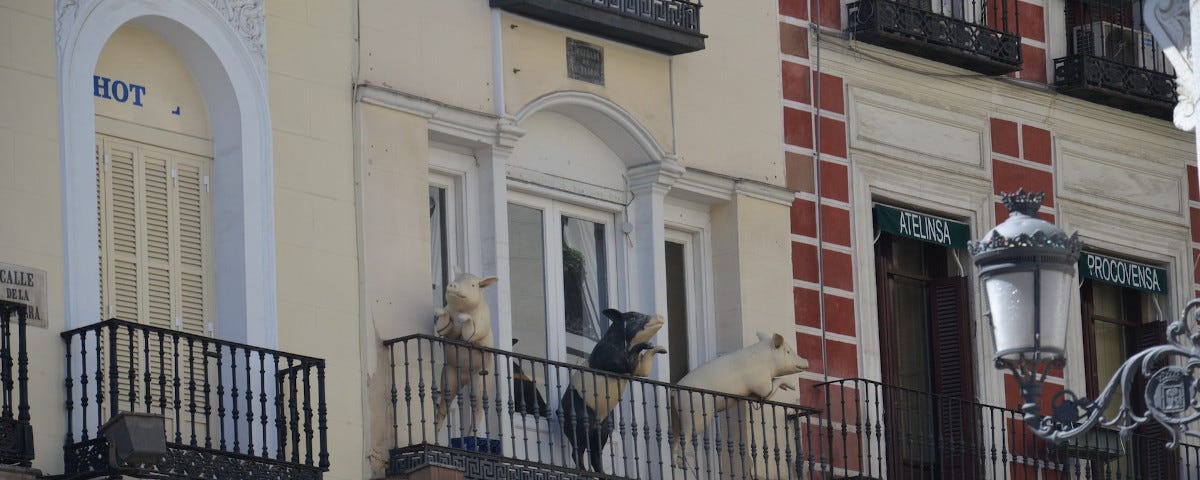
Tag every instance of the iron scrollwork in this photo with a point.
(1170, 395)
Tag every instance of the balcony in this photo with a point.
(665, 26)
(1113, 60)
(16, 433)
(517, 429)
(973, 34)
(872, 430)
(232, 411)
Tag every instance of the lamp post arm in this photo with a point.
(1170, 396)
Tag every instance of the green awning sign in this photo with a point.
(1123, 273)
(927, 228)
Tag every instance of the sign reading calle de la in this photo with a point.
(927, 228)
(1124, 273)
(26, 286)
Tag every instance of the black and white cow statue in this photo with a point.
(588, 403)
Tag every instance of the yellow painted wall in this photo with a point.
(310, 53)
(751, 244)
(395, 238)
(727, 96)
(31, 200)
(434, 49)
(535, 64)
(169, 98)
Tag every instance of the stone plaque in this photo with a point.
(585, 61)
(26, 286)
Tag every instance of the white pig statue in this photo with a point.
(751, 371)
(465, 318)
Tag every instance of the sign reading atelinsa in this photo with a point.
(1123, 273)
(26, 286)
(927, 228)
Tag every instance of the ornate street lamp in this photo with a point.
(1027, 268)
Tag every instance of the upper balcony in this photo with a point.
(1113, 60)
(231, 411)
(973, 34)
(666, 26)
(512, 420)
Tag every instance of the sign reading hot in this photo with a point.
(118, 91)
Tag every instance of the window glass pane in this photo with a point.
(527, 266)
(1110, 353)
(585, 285)
(911, 333)
(909, 255)
(438, 254)
(677, 311)
(1106, 300)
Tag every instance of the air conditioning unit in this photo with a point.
(1119, 44)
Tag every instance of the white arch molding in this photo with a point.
(623, 134)
(221, 42)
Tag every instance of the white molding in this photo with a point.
(619, 129)
(878, 179)
(763, 191)
(232, 78)
(447, 124)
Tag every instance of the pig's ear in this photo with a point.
(487, 282)
(762, 337)
(777, 341)
(613, 314)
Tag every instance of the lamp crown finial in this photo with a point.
(1024, 202)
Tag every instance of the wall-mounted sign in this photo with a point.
(1124, 273)
(26, 286)
(117, 90)
(585, 61)
(920, 226)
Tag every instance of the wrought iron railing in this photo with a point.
(16, 433)
(1113, 59)
(872, 430)
(511, 417)
(231, 410)
(678, 14)
(980, 35)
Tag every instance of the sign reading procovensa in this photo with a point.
(26, 286)
(1124, 273)
(927, 228)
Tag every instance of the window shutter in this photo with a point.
(191, 237)
(156, 196)
(121, 234)
(154, 228)
(954, 381)
(1152, 458)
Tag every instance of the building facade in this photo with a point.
(904, 124)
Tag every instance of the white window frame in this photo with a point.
(552, 212)
(689, 226)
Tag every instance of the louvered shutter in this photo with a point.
(155, 232)
(121, 232)
(1152, 458)
(155, 265)
(191, 238)
(953, 376)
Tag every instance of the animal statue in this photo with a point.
(465, 318)
(751, 372)
(525, 394)
(586, 406)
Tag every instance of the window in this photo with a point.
(925, 342)
(1118, 322)
(561, 259)
(155, 236)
